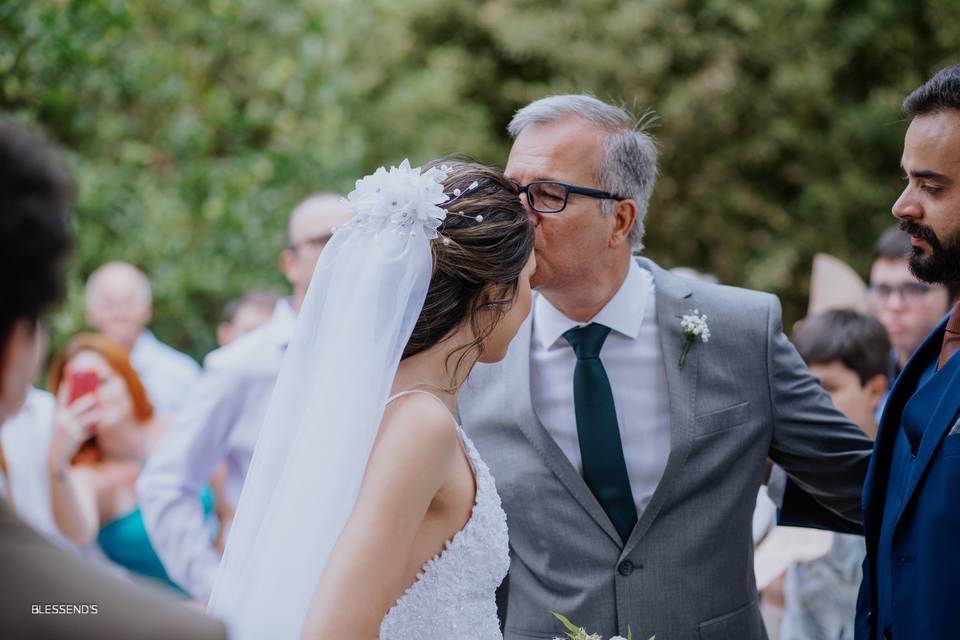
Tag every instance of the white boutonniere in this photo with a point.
(695, 329)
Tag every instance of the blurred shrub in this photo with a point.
(194, 126)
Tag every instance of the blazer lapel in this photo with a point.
(941, 419)
(519, 396)
(674, 299)
(875, 484)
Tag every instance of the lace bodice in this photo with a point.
(453, 595)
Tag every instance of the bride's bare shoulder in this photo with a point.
(420, 422)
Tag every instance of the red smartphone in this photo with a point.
(82, 383)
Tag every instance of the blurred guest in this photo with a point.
(848, 351)
(910, 512)
(908, 307)
(102, 434)
(244, 314)
(36, 575)
(223, 419)
(119, 305)
(240, 316)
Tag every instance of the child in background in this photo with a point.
(849, 352)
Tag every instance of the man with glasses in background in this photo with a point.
(221, 422)
(629, 425)
(907, 307)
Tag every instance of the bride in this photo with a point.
(367, 512)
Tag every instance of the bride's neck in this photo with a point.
(436, 370)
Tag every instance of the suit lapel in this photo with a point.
(875, 484)
(941, 419)
(674, 299)
(542, 442)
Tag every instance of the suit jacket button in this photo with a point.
(887, 634)
(625, 568)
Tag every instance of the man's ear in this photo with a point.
(21, 330)
(287, 264)
(876, 387)
(624, 216)
(224, 333)
(6, 352)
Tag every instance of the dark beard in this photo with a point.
(943, 263)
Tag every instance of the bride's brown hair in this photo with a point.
(478, 268)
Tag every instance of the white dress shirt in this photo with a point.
(633, 359)
(168, 375)
(26, 439)
(220, 423)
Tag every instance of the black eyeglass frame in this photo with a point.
(567, 190)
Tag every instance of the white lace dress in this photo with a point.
(454, 594)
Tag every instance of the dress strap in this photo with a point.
(456, 422)
(412, 391)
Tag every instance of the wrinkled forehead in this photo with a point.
(123, 286)
(568, 150)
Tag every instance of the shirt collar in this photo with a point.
(623, 313)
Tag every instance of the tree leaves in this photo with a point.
(194, 127)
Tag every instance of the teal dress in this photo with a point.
(125, 542)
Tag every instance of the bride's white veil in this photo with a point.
(365, 297)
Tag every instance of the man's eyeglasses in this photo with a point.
(550, 196)
(909, 292)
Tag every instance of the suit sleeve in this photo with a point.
(822, 452)
(169, 487)
(48, 592)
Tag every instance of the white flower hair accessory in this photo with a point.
(695, 329)
(407, 198)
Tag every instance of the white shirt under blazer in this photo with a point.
(642, 400)
(686, 570)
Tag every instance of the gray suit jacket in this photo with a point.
(686, 572)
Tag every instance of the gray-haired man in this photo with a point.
(628, 450)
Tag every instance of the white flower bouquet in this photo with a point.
(579, 633)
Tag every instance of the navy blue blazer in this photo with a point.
(924, 563)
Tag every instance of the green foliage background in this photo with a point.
(194, 126)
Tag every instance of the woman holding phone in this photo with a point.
(104, 430)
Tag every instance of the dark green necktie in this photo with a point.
(604, 468)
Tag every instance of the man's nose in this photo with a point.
(907, 206)
(895, 300)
